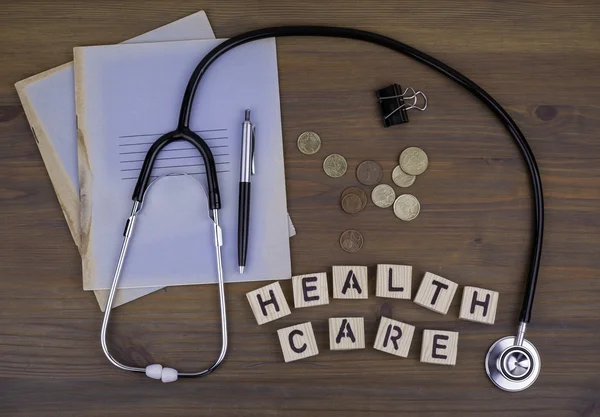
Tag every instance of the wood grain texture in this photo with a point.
(394, 337)
(298, 342)
(268, 303)
(541, 60)
(436, 293)
(479, 304)
(346, 333)
(350, 282)
(394, 281)
(439, 347)
(310, 290)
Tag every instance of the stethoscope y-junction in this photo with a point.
(512, 363)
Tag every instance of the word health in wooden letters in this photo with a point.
(394, 337)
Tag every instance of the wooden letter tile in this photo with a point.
(298, 342)
(439, 347)
(479, 305)
(394, 337)
(346, 333)
(350, 282)
(436, 293)
(310, 290)
(268, 303)
(394, 281)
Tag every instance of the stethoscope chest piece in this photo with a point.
(512, 367)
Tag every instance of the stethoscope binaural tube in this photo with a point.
(157, 371)
(518, 342)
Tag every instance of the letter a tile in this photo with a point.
(346, 333)
(350, 282)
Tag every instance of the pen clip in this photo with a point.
(253, 140)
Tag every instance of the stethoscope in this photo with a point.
(512, 363)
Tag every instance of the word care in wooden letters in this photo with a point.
(347, 333)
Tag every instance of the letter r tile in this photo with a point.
(394, 337)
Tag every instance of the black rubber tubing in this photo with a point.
(480, 93)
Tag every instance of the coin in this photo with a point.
(401, 178)
(351, 241)
(369, 173)
(335, 165)
(413, 161)
(407, 207)
(351, 203)
(359, 192)
(309, 143)
(383, 196)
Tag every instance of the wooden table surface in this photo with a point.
(541, 61)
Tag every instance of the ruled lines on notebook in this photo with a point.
(178, 156)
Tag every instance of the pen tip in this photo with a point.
(247, 115)
(241, 269)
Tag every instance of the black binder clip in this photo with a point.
(393, 106)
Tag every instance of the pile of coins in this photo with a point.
(353, 200)
(413, 161)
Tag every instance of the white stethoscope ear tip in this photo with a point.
(156, 371)
(512, 367)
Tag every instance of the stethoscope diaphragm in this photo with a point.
(512, 367)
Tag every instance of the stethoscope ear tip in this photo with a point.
(166, 375)
(512, 367)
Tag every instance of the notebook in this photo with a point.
(126, 97)
(49, 104)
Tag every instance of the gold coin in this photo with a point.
(383, 196)
(413, 161)
(351, 241)
(407, 207)
(369, 173)
(401, 178)
(309, 143)
(351, 203)
(335, 165)
(359, 192)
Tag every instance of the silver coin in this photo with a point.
(401, 178)
(407, 207)
(335, 165)
(309, 143)
(413, 161)
(383, 196)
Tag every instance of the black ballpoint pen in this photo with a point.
(246, 171)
